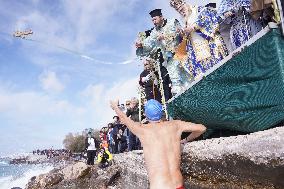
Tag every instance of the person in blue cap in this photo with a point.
(153, 110)
(161, 142)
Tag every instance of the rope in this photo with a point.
(73, 51)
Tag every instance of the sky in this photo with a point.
(80, 56)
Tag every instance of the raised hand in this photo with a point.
(161, 37)
(228, 14)
(189, 29)
(138, 44)
(114, 104)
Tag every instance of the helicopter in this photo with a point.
(23, 34)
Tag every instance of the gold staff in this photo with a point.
(160, 81)
(140, 103)
(277, 16)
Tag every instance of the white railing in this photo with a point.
(281, 14)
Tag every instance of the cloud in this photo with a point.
(30, 105)
(76, 38)
(29, 114)
(78, 26)
(50, 82)
(36, 120)
(36, 107)
(98, 97)
(99, 30)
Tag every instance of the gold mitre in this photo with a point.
(176, 4)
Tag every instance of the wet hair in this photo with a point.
(116, 117)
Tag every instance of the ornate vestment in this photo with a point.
(205, 46)
(243, 27)
(167, 46)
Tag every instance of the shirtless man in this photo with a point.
(161, 142)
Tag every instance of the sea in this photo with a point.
(17, 176)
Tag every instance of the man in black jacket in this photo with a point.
(116, 127)
(133, 113)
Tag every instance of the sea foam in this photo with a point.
(21, 181)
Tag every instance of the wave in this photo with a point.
(10, 181)
(3, 163)
(16, 155)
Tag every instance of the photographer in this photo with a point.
(104, 158)
(149, 82)
(122, 141)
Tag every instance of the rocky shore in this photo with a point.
(30, 159)
(246, 161)
(40, 159)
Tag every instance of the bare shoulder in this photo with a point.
(173, 123)
(182, 123)
(190, 127)
(147, 126)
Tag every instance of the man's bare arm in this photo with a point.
(133, 126)
(195, 129)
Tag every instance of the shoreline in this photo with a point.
(251, 161)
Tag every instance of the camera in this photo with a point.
(121, 107)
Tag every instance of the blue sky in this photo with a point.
(47, 91)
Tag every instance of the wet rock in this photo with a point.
(30, 159)
(21, 160)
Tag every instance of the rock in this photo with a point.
(36, 159)
(30, 159)
(76, 171)
(20, 160)
(109, 175)
(44, 181)
(99, 179)
(78, 175)
(251, 161)
(246, 161)
(134, 173)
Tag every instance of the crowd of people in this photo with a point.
(114, 138)
(51, 153)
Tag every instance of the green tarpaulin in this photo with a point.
(245, 94)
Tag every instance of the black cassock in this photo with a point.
(152, 91)
(166, 83)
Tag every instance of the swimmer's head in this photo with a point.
(153, 110)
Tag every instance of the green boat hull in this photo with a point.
(245, 94)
